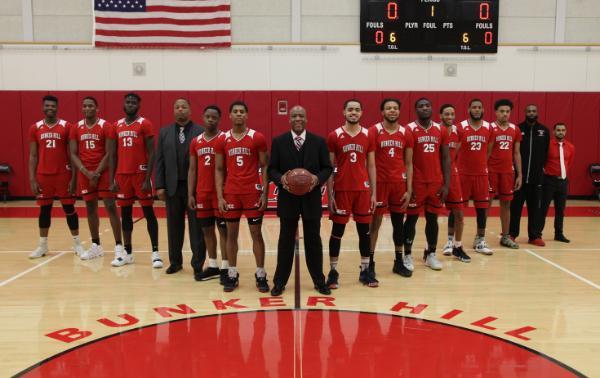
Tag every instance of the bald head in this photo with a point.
(298, 119)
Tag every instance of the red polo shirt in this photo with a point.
(552, 167)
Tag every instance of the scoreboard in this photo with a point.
(431, 26)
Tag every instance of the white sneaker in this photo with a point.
(121, 257)
(408, 262)
(94, 251)
(483, 248)
(78, 248)
(40, 251)
(448, 248)
(432, 262)
(157, 262)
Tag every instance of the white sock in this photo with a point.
(224, 264)
(43, 240)
(364, 263)
(76, 239)
(450, 238)
(212, 263)
(333, 264)
(260, 272)
(232, 272)
(457, 243)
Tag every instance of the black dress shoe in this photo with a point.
(277, 290)
(173, 269)
(323, 289)
(561, 238)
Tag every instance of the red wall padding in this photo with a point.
(580, 111)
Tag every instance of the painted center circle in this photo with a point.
(301, 344)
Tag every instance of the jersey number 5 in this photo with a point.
(239, 160)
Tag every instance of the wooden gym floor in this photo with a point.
(527, 312)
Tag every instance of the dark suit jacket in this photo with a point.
(166, 157)
(314, 157)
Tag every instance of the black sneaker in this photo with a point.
(401, 269)
(372, 269)
(323, 289)
(231, 283)
(460, 254)
(367, 278)
(262, 284)
(332, 279)
(208, 274)
(223, 276)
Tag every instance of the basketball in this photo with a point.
(299, 181)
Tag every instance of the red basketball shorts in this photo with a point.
(426, 195)
(455, 196)
(389, 196)
(101, 190)
(207, 205)
(502, 185)
(246, 204)
(476, 188)
(54, 186)
(130, 189)
(357, 203)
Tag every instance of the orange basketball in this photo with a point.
(299, 181)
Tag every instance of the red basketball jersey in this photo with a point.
(131, 150)
(52, 142)
(453, 144)
(241, 160)
(389, 152)
(427, 163)
(351, 159)
(501, 159)
(203, 150)
(472, 156)
(91, 141)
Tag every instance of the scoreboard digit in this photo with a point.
(432, 26)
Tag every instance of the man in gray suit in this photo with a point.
(172, 164)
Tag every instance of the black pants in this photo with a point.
(312, 245)
(555, 189)
(176, 211)
(532, 195)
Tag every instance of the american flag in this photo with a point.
(162, 23)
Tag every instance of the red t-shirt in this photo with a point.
(453, 144)
(131, 150)
(351, 159)
(501, 159)
(427, 162)
(472, 156)
(241, 160)
(53, 146)
(203, 150)
(389, 152)
(91, 141)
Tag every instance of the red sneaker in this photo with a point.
(537, 242)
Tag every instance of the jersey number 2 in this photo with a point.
(207, 160)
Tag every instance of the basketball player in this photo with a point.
(504, 160)
(135, 160)
(50, 174)
(201, 193)
(474, 137)
(393, 160)
(239, 154)
(351, 190)
(454, 201)
(431, 177)
(90, 143)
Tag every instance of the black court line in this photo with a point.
(559, 363)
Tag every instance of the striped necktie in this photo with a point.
(181, 135)
(298, 141)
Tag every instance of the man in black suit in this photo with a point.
(299, 149)
(172, 164)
